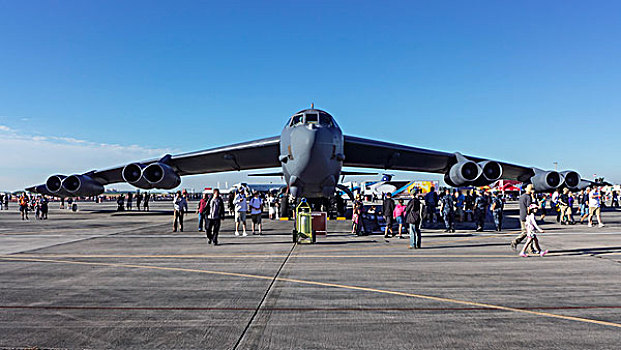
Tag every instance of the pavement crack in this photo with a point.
(262, 302)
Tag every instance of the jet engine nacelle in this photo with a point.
(54, 185)
(161, 175)
(490, 172)
(463, 173)
(132, 174)
(572, 179)
(546, 180)
(82, 185)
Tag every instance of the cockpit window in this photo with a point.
(325, 120)
(296, 119)
(312, 118)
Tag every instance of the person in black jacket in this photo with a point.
(413, 216)
(215, 215)
(387, 210)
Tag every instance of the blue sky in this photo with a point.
(87, 85)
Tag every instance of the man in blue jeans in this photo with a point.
(413, 216)
(202, 212)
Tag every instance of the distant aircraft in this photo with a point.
(311, 152)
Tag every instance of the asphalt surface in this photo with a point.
(99, 279)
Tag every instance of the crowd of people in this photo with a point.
(126, 202)
(37, 204)
(211, 211)
(429, 210)
(450, 206)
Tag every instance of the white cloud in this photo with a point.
(28, 160)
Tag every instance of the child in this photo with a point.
(531, 226)
(398, 216)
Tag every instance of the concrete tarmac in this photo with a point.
(98, 279)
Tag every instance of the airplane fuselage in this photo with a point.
(311, 154)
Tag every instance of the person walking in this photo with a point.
(180, 206)
(531, 226)
(460, 200)
(44, 207)
(525, 201)
(497, 207)
(595, 202)
(138, 200)
(388, 208)
(398, 216)
(542, 206)
(413, 218)
(615, 200)
(356, 217)
(215, 215)
(2, 201)
(583, 199)
(23, 206)
(130, 201)
(447, 208)
(240, 208)
(469, 206)
(480, 211)
(431, 202)
(565, 208)
(145, 203)
(256, 210)
(202, 212)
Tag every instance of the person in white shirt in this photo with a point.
(241, 207)
(595, 203)
(256, 209)
(531, 227)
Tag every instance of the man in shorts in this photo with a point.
(595, 203)
(241, 207)
(256, 209)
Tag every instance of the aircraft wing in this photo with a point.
(365, 153)
(257, 154)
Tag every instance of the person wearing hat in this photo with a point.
(531, 227)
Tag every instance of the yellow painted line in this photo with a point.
(284, 219)
(336, 285)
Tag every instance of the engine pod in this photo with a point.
(82, 185)
(546, 180)
(161, 175)
(132, 174)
